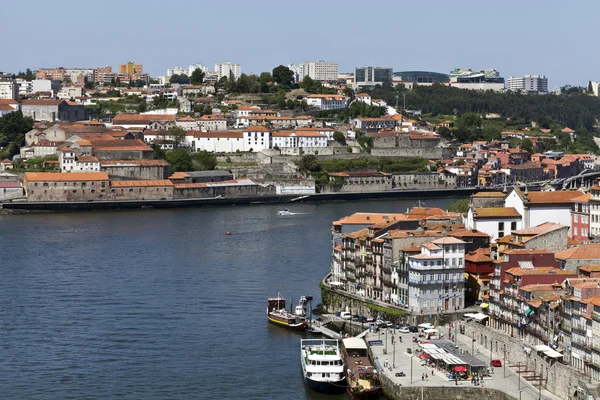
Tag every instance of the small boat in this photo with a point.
(362, 378)
(285, 211)
(322, 365)
(277, 314)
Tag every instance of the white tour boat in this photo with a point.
(322, 365)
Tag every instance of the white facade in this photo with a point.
(534, 216)
(436, 277)
(530, 83)
(494, 227)
(229, 70)
(594, 214)
(320, 70)
(9, 89)
(69, 163)
(211, 123)
(298, 71)
(25, 87)
(74, 73)
(68, 92)
(196, 66)
(327, 101)
(44, 85)
(483, 86)
(176, 71)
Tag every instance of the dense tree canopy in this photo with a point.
(197, 77)
(13, 127)
(283, 76)
(182, 79)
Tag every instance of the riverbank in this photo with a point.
(183, 203)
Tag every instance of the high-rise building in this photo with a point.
(371, 76)
(321, 70)
(529, 83)
(9, 89)
(298, 70)
(193, 67)
(229, 70)
(176, 71)
(130, 68)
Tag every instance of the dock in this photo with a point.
(320, 328)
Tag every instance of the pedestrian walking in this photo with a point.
(431, 372)
(477, 349)
(426, 377)
(422, 377)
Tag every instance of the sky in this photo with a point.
(526, 37)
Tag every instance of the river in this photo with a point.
(160, 304)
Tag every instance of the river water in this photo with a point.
(160, 304)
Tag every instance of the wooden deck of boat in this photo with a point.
(355, 364)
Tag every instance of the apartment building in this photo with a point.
(9, 89)
(228, 70)
(321, 70)
(528, 83)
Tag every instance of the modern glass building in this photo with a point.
(371, 76)
(422, 76)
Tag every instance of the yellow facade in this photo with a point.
(130, 68)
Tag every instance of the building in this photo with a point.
(358, 181)
(145, 121)
(136, 169)
(130, 68)
(8, 106)
(379, 123)
(68, 162)
(371, 76)
(528, 83)
(546, 236)
(70, 92)
(9, 89)
(211, 122)
(56, 186)
(580, 217)
(320, 70)
(436, 280)
(482, 80)
(228, 70)
(479, 267)
(53, 110)
(494, 221)
(326, 101)
(122, 150)
(594, 207)
(422, 77)
(536, 207)
(578, 256)
(298, 71)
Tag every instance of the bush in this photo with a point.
(349, 149)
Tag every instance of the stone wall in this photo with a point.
(224, 191)
(559, 378)
(124, 154)
(436, 153)
(125, 172)
(396, 392)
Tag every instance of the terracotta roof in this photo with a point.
(538, 271)
(257, 128)
(448, 240)
(358, 173)
(477, 257)
(370, 218)
(87, 159)
(556, 197)
(6, 107)
(8, 101)
(65, 177)
(582, 199)
(537, 287)
(399, 234)
(539, 229)
(411, 249)
(179, 175)
(590, 268)
(424, 212)
(586, 251)
(488, 194)
(527, 251)
(497, 212)
(42, 102)
(469, 233)
(128, 119)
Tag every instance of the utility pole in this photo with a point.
(519, 366)
(411, 363)
(394, 356)
(505, 360)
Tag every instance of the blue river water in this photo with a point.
(160, 304)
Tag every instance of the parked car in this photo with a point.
(496, 363)
(370, 319)
(389, 324)
(345, 315)
(413, 329)
(405, 329)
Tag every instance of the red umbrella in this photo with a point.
(460, 368)
(424, 355)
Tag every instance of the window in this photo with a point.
(576, 218)
(500, 226)
(513, 226)
(575, 230)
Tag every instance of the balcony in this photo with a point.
(386, 269)
(596, 316)
(388, 283)
(581, 330)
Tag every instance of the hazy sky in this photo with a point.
(553, 38)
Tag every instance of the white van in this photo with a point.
(345, 315)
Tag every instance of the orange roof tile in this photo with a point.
(488, 194)
(556, 197)
(65, 177)
(497, 212)
(586, 251)
(141, 183)
(370, 218)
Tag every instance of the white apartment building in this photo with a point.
(45, 85)
(176, 71)
(529, 83)
(298, 139)
(327, 101)
(25, 87)
(320, 70)
(69, 163)
(298, 70)
(211, 123)
(229, 70)
(9, 89)
(69, 92)
(255, 138)
(76, 73)
(595, 211)
(193, 67)
(436, 280)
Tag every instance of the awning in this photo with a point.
(460, 368)
(431, 331)
(477, 316)
(553, 353)
(484, 305)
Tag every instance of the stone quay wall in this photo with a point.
(558, 378)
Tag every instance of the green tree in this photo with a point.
(197, 77)
(309, 163)
(159, 154)
(527, 144)
(283, 76)
(142, 107)
(13, 127)
(178, 135)
(205, 161)
(339, 137)
(461, 206)
(89, 84)
(180, 160)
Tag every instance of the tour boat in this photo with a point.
(277, 313)
(362, 378)
(322, 365)
(285, 211)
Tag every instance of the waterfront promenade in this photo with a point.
(400, 360)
